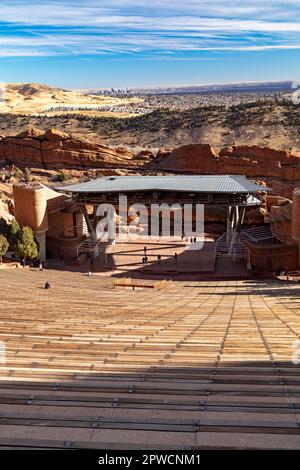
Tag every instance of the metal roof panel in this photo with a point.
(185, 183)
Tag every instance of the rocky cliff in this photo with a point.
(55, 149)
(252, 161)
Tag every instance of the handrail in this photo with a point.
(239, 250)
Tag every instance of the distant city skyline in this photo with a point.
(136, 43)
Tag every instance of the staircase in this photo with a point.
(88, 245)
(257, 234)
(240, 250)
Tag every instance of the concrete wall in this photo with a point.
(31, 206)
(33, 202)
(51, 217)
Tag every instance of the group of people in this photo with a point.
(36, 263)
(145, 257)
(192, 239)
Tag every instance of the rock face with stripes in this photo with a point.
(56, 149)
(252, 161)
(197, 158)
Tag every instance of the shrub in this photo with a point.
(3, 247)
(61, 177)
(14, 230)
(4, 228)
(26, 247)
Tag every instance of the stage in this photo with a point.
(126, 258)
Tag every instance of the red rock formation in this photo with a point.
(254, 152)
(163, 153)
(255, 216)
(145, 155)
(194, 158)
(55, 149)
(280, 219)
(254, 161)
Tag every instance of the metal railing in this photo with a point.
(239, 248)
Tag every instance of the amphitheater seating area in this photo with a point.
(195, 365)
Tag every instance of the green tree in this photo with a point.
(14, 231)
(26, 247)
(3, 247)
(4, 228)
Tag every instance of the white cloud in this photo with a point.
(52, 27)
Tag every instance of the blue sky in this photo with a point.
(102, 43)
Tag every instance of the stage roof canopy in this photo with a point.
(228, 184)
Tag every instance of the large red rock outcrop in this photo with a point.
(194, 158)
(56, 149)
(280, 219)
(254, 152)
(252, 161)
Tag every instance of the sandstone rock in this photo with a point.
(31, 132)
(13, 180)
(55, 149)
(194, 158)
(5, 210)
(261, 183)
(145, 155)
(163, 153)
(54, 134)
(251, 161)
(281, 187)
(226, 151)
(255, 216)
(265, 154)
(122, 152)
(280, 219)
